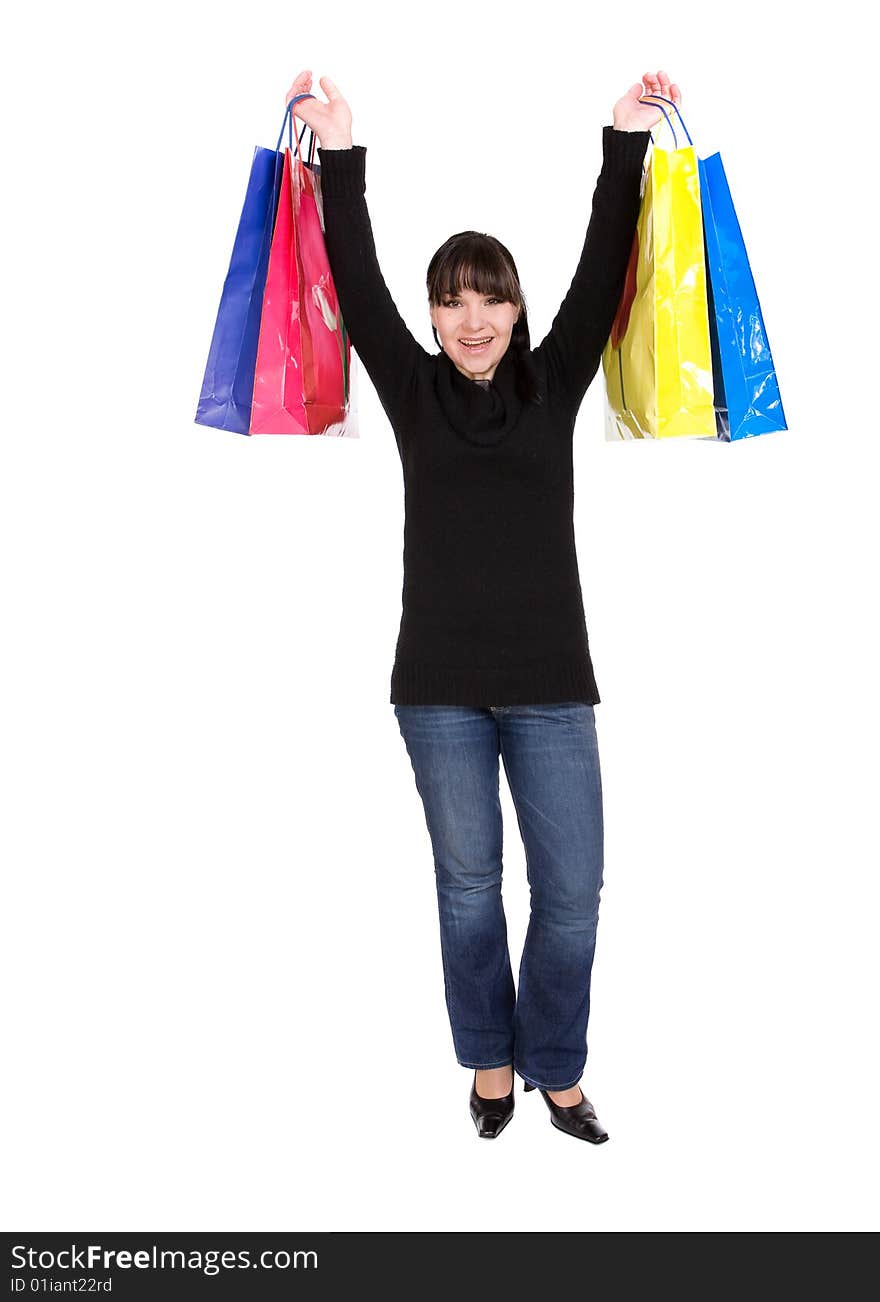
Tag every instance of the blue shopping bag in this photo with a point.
(746, 390)
(228, 385)
(753, 404)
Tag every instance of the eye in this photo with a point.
(452, 301)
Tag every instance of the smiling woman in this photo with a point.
(492, 657)
(474, 294)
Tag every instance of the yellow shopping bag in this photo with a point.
(658, 359)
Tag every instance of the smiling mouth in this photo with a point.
(476, 344)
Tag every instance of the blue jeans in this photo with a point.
(551, 761)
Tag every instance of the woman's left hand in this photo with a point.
(631, 115)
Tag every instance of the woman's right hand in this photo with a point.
(331, 122)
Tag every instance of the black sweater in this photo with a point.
(492, 609)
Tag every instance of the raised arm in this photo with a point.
(573, 346)
(383, 342)
(378, 333)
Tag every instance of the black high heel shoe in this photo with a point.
(579, 1120)
(490, 1115)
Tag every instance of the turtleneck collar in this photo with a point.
(479, 413)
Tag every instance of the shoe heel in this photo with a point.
(527, 1086)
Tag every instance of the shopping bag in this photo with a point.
(657, 362)
(747, 397)
(227, 387)
(303, 374)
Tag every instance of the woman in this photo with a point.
(493, 657)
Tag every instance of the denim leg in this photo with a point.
(551, 759)
(454, 754)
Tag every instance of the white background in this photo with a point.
(221, 953)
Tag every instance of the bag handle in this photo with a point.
(650, 98)
(288, 122)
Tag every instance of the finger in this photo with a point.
(330, 89)
(300, 84)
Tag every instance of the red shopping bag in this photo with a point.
(302, 380)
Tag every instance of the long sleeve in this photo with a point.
(377, 331)
(573, 345)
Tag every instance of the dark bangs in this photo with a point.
(475, 261)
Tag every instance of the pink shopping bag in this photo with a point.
(303, 375)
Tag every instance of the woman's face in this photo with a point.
(471, 316)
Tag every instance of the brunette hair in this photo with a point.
(476, 261)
